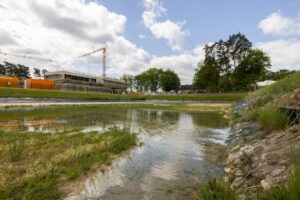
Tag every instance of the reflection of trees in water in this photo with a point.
(209, 119)
(158, 116)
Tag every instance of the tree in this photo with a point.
(207, 75)
(251, 68)
(2, 70)
(11, 69)
(152, 77)
(228, 54)
(140, 82)
(129, 82)
(44, 71)
(169, 80)
(37, 72)
(23, 71)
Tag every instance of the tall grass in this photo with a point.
(216, 190)
(272, 119)
(16, 148)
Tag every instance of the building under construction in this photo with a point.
(75, 81)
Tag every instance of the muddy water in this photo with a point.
(180, 150)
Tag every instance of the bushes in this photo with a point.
(272, 119)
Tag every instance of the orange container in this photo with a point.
(40, 84)
(6, 81)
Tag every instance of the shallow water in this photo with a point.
(180, 149)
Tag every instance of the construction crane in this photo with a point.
(103, 49)
(27, 57)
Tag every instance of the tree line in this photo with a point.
(18, 70)
(233, 64)
(152, 80)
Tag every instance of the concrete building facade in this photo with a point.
(75, 81)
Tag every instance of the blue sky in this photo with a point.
(141, 34)
(206, 20)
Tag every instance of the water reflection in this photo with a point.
(180, 149)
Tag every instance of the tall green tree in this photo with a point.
(207, 75)
(228, 55)
(252, 67)
(169, 80)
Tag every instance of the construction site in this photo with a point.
(67, 80)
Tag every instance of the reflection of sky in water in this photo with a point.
(172, 154)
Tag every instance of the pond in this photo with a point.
(180, 149)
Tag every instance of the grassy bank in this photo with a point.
(19, 93)
(34, 164)
(264, 104)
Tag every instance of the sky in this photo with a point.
(141, 34)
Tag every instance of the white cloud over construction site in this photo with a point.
(62, 30)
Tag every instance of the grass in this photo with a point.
(50, 160)
(15, 149)
(281, 87)
(216, 190)
(33, 93)
(272, 119)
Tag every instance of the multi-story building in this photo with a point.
(83, 82)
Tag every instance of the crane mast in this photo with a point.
(103, 49)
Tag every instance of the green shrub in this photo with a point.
(216, 190)
(272, 119)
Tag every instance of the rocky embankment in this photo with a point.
(258, 159)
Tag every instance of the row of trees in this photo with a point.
(21, 71)
(153, 80)
(231, 65)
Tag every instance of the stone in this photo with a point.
(238, 173)
(278, 170)
(266, 183)
(228, 170)
(237, 182)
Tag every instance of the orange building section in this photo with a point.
(9, 82)
(39, 84)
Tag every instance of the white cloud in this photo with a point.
(284, 53)
(63, 30)
(169, 30)
(278, 25)
(184, 64)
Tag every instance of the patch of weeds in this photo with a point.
(216, 190)
(16, 147)
(272, 119)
